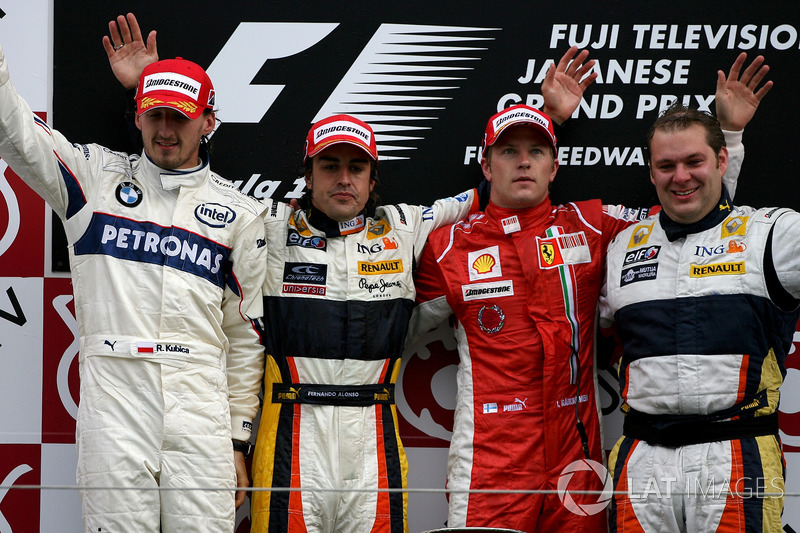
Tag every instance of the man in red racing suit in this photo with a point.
(523, 280)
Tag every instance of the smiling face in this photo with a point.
(520, 167)
(686, 173)
(171, 139)
(340, 181)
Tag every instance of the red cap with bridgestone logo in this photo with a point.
(340, 129)
(514, 116)
(175, 83)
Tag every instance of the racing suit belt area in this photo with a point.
(338, 298)
(527, 296)
(662, 292)
(166, 269)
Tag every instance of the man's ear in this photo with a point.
(722, 160)
(486, 168)
(211, 121)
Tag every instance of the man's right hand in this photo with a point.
(126, 50)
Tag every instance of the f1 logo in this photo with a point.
(250, 46)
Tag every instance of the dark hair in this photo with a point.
(373, 201)
(678, 117)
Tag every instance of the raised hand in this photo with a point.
(563, 87)
(737, 98)
(127, 52)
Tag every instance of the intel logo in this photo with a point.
(214, 215)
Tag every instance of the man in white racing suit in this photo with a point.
(706, 297)
(337, 300)
(167, 264)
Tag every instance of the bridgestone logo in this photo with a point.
(519, 114)
(342, 128)
(497, 289)
(482, 292)
(171, 82)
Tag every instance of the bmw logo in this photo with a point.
(128, 194)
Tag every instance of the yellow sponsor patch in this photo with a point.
(717, 269)
(381, 267)
(734, 226)
(640, 235)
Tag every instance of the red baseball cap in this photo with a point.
(340, 129)
(175, 83)
(514, 116)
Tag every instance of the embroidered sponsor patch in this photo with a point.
(214, 215)
(314, 242)
(641, 255)
(734, 226)
(128, 194)
(483, 264)
(351, 226)
(495, 289)
(638, 273)
(381, 267)
(569, 249)
(305, 273)
(491, 318)
(511, 224)
(311, 290)
(378, 230)
(717, 269)
(640, 235)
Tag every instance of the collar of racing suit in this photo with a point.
(676, 231)
(173, 179)
(332, 228)
(530, 216)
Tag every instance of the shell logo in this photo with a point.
(483, 264)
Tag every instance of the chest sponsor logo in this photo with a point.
(385, 244)
(214, 215)
(147, 242)
(380, 288)
(495, 289)
(718, 269)
(641, 255)
(735, 247)
(511, 224)
(569, 249)
(484, 264)
(298, 222)
(129, 194)
(640, 235)
(734, 226)
(306, 273)
(732, 247)
(352, 226)
(381, 267)
(638, 273)
(294, 238)
(378, 230)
